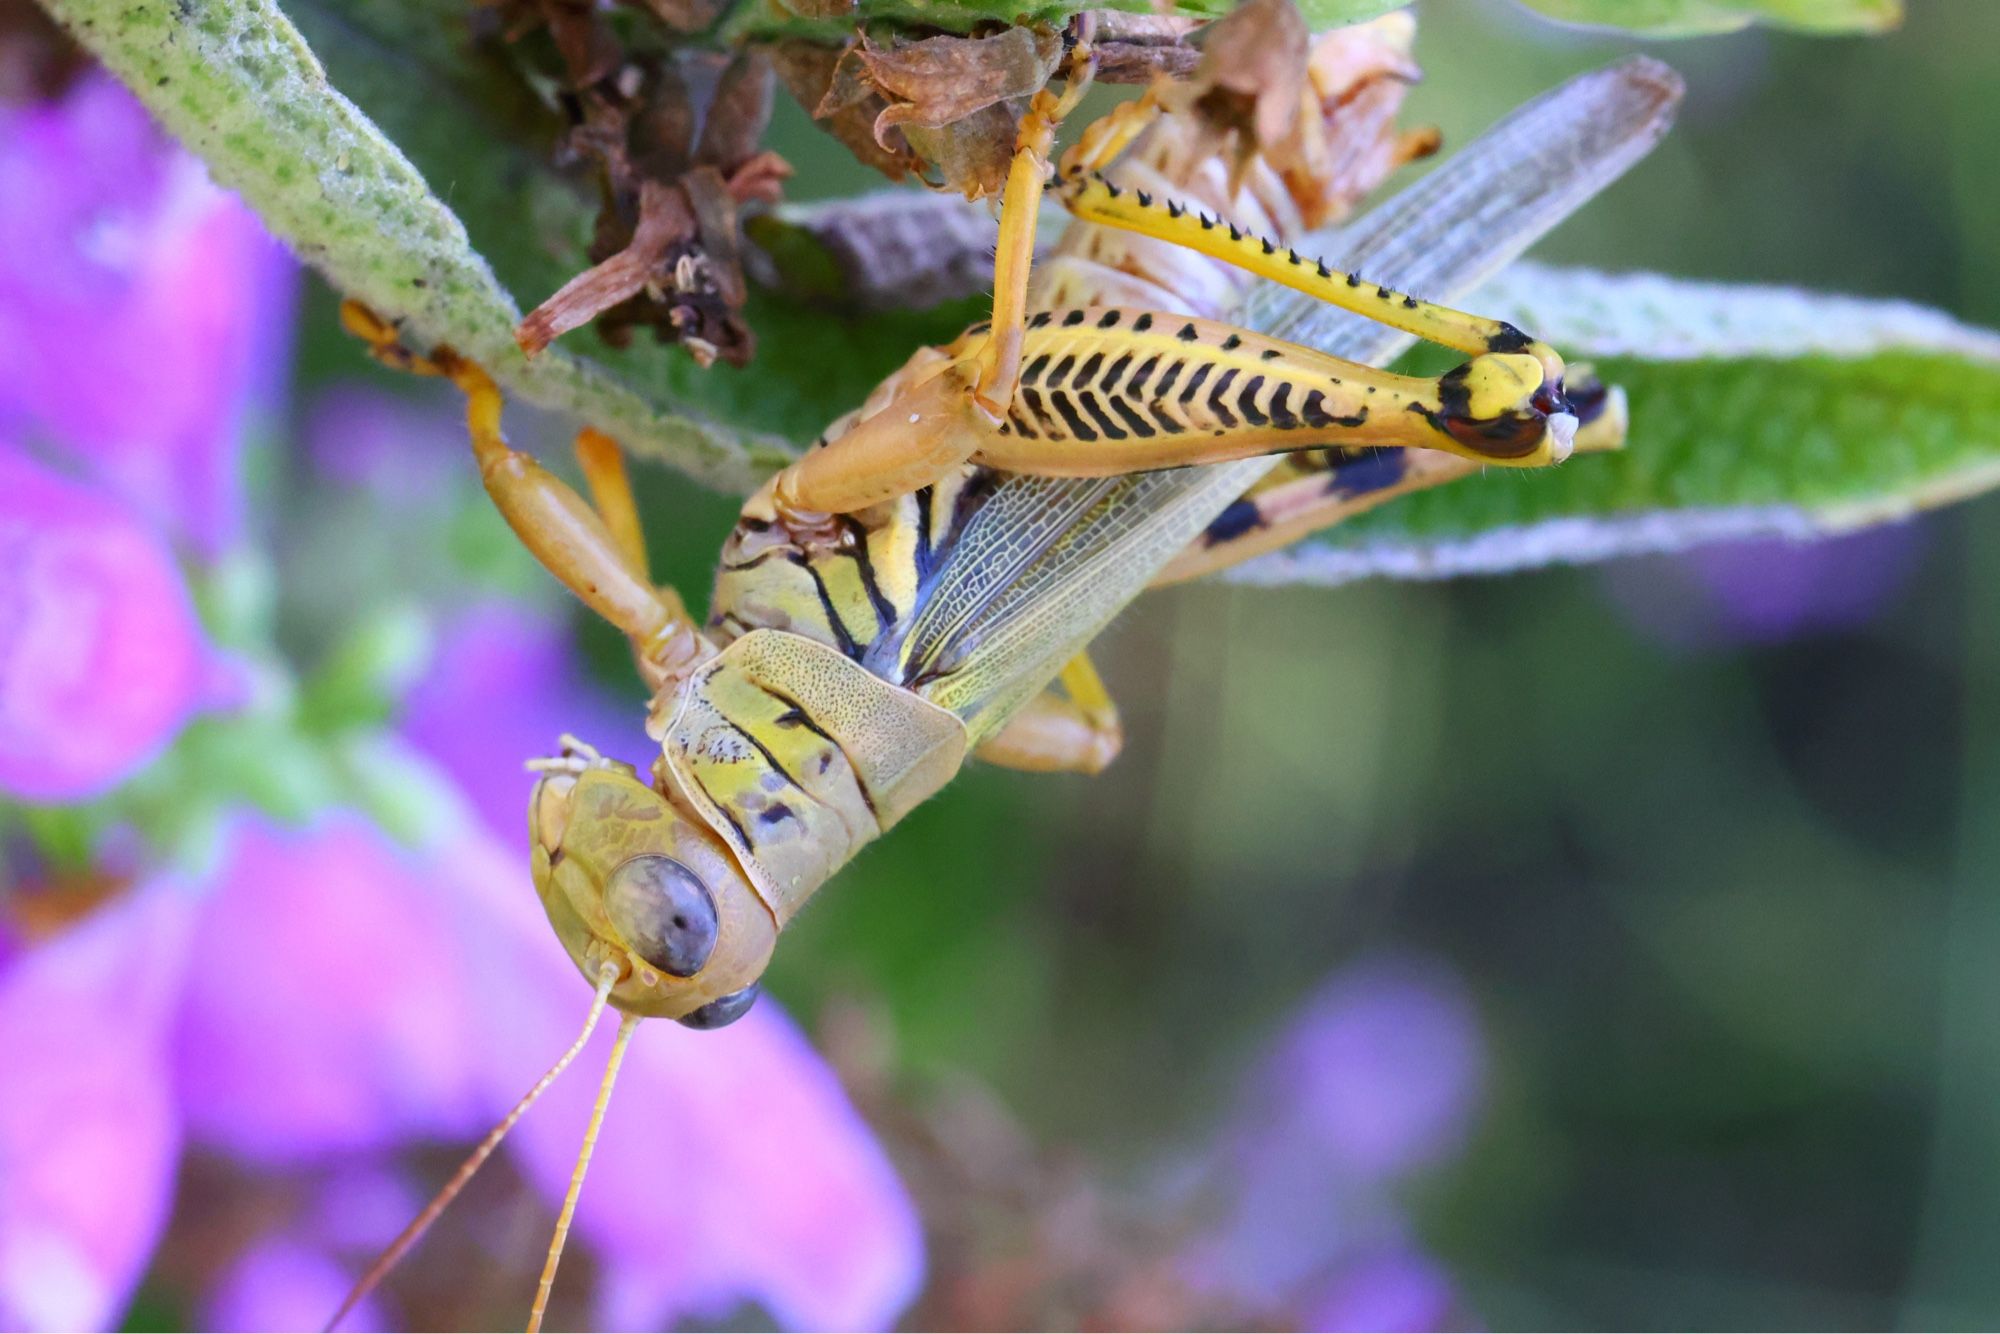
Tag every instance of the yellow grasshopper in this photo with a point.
(912, 589)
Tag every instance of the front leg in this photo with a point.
(565, 534)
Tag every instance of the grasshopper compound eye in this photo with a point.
(664, 912)
(726, 1010)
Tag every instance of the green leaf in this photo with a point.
(1755, 412)
(236, 82)
(1322, 15)
(1690, 18)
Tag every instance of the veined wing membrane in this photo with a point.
(1047, 562)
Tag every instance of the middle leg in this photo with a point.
(1074, 731)
(602, 563)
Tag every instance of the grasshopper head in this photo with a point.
(625, 876)
(1509, 408)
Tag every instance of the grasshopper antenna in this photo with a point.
(625, 1027)
(607, 978)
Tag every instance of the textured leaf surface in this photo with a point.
(1755, 412)
(1687, 18)
(238, 84)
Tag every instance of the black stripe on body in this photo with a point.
(1368, 469)
(864, 565)
(1241, 517)
(833, 621)
(924, 498)
(761, 749)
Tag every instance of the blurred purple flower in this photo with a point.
(325, 1008)
(1391, 1290)
(394, 444)
(89, 1130)
(101, 657)
(329, 991)
(1379, 1072)
(284, 1284)
(1376, 1078)
(504, 685)
(1766, 591)
(143, 311)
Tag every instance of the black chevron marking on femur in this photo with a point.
(1020, 424)
(1315, 415)
(1140, 426)
(1086, 374)
(1247, 404)
(1111, 430)
(1217, 401)
(1078, 427)
(1032, 400)
(1193, 386)
(1115, 372)
(1140, 376)
(1032, 373)
(1282, 415)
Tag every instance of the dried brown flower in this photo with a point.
(673, 141)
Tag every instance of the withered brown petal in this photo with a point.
(973, 152)
(1142, 62)
(847, 108)
(939, 80)
(682, 15)
(738, 114)
(665, 217)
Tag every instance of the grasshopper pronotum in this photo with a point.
(893, 601)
